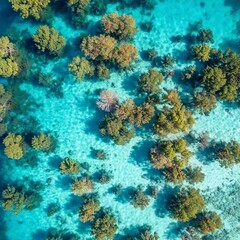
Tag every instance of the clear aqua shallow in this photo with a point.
(73, 119)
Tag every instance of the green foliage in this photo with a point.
(82, 186)
(204, 101)
(5, 102)
(69, 166)
(168, 61)
(116, 125)
(144, 233)
(228, 154)
(116, 129)
(43, 142)
(208, 222)
(8, 64)
(104, 227)
(149, 82)
(186, 204)
(136, 115)
(102, 71)
(15, 200)
(29, 8)
(120, 27)
(170, 154)
(139, 199)
(213, 78)
(88, 210)
(202, 52)
(8, 68)
(125, 54)
(80, 67)
(175, 174)
(190, 74)
(48, 39)
(78, 6)
(13, 146)
(98, 47)
(173, 119)
(205, 36)
(194, 175)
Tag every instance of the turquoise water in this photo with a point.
(73, 120)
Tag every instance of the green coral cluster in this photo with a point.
(149, 82)
(43, 142)
(116, 124)
(174, 118)
(13, 146)
(5, 102)
(80, 68)
(88, 210)
(171, 157)
(220, 74)
(8, 63)
(118, 26)
(17, 199)
(186, 203)
(47, 39)
(29, 8)
(228, 154)
(104, 227)
(82, 186)
(78, 6)
(139, 199)
(207, 222)
(69, 166)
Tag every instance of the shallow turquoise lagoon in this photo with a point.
(73, 120)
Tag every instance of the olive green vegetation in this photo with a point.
(13, 146)
(121, 27)
(149, 82)
(8, 64)
(144, 233)
(213, 78)
(80, 68)
(186, 203)
(190, 74)
(220, 75)
(104, 48)
(98, 47)
(124, 55)
(5, 103)
(170, 153)
(205, 36)
(204, 101)
(174, 118)
(228, 154)
(69, 166)
(171, 157)
(139, 199)
(104, 227)
(78, 6)
(202, 52)
(82, 186)
(17, 199)
(29, 8)
(207, 222)
(88, 210)
(43, 142)
(116, 124)
(47, 39)
(194, 175)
